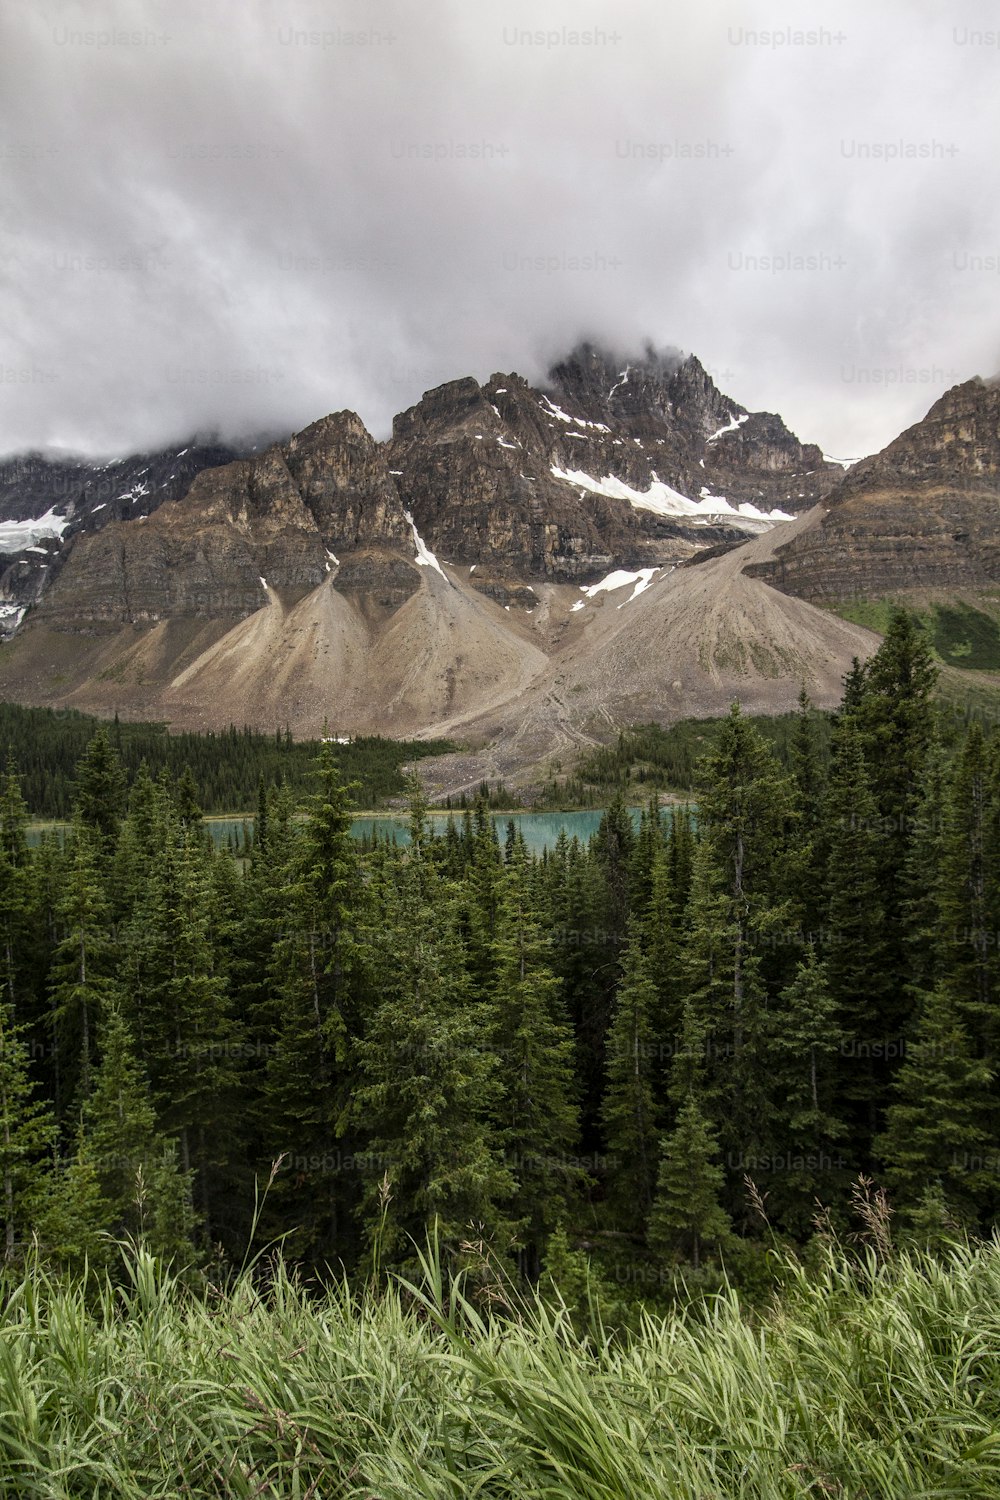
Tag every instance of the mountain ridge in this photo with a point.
(508, 567)
(924, 513)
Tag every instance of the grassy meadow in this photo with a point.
(869, 1378)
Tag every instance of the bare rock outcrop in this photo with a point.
(922, 514)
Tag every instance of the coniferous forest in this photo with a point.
(365, 1102)
(47, 744)
(795, 984)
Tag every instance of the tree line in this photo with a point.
(47, 743)
(633, 1048)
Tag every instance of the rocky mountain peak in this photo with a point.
(921, 514)
(343, 477)
(958, 440)
(612, 387)
(444, 411)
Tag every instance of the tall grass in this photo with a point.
(866, 1379)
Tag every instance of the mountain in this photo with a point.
(508, 549)
(614, 463)
(46, 503)
(921, 515)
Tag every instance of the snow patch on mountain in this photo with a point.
(552, 410)
(16, 536)
(640, 579)
(730, 427)
(425, 557)
(845, 463)
(663, 500)
(622, 381)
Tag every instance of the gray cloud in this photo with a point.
(238, 219)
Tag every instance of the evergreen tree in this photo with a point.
(665, 932)
(895, 718)
(82, 969)
(687, 1216)
(737, 920)
(806, 764)
(178, 1008)
(969, 894)
(927, 936)
(612, 854)
(483, 884)
(938, 1126)
(861, 983)
(429, 1084)
(26, 1131)
(142, 1192)
(613, 848)
(808, 1143)
(806, 847)
(649, 846)
(186, 800)
(317, 978)
(583, 953)
(680, 858)
(17, 934)
(137, 849)
(99, 793)
(537, 1119)
(630, 1110)
(855, 685)
(260, 823)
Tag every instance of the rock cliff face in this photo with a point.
(343, 478)
(672, 402)
(45, 504)
(922, 514)
(523, 481)
(473, 467)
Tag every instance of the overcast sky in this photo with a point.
(242, 216)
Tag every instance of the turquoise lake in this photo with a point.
(540, 829)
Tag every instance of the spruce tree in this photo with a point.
(737, 920)
(429, 1085)
(585, 956)
(611, 860)
(483, 884)
(316, 976)
(27, 1129)
(665, 932)
(805, 851)
(863, 986)
(896, 720)
(649, 846)
(928, 937)
(808, 1144)
(178, 1007)
(82, 968)
(968, 889)
(17, 927)
(143, 1192)
(938, 1127)
(631, 1109)
(537, 1120)
(99, 793)
(806, 764)
(687, 1216)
